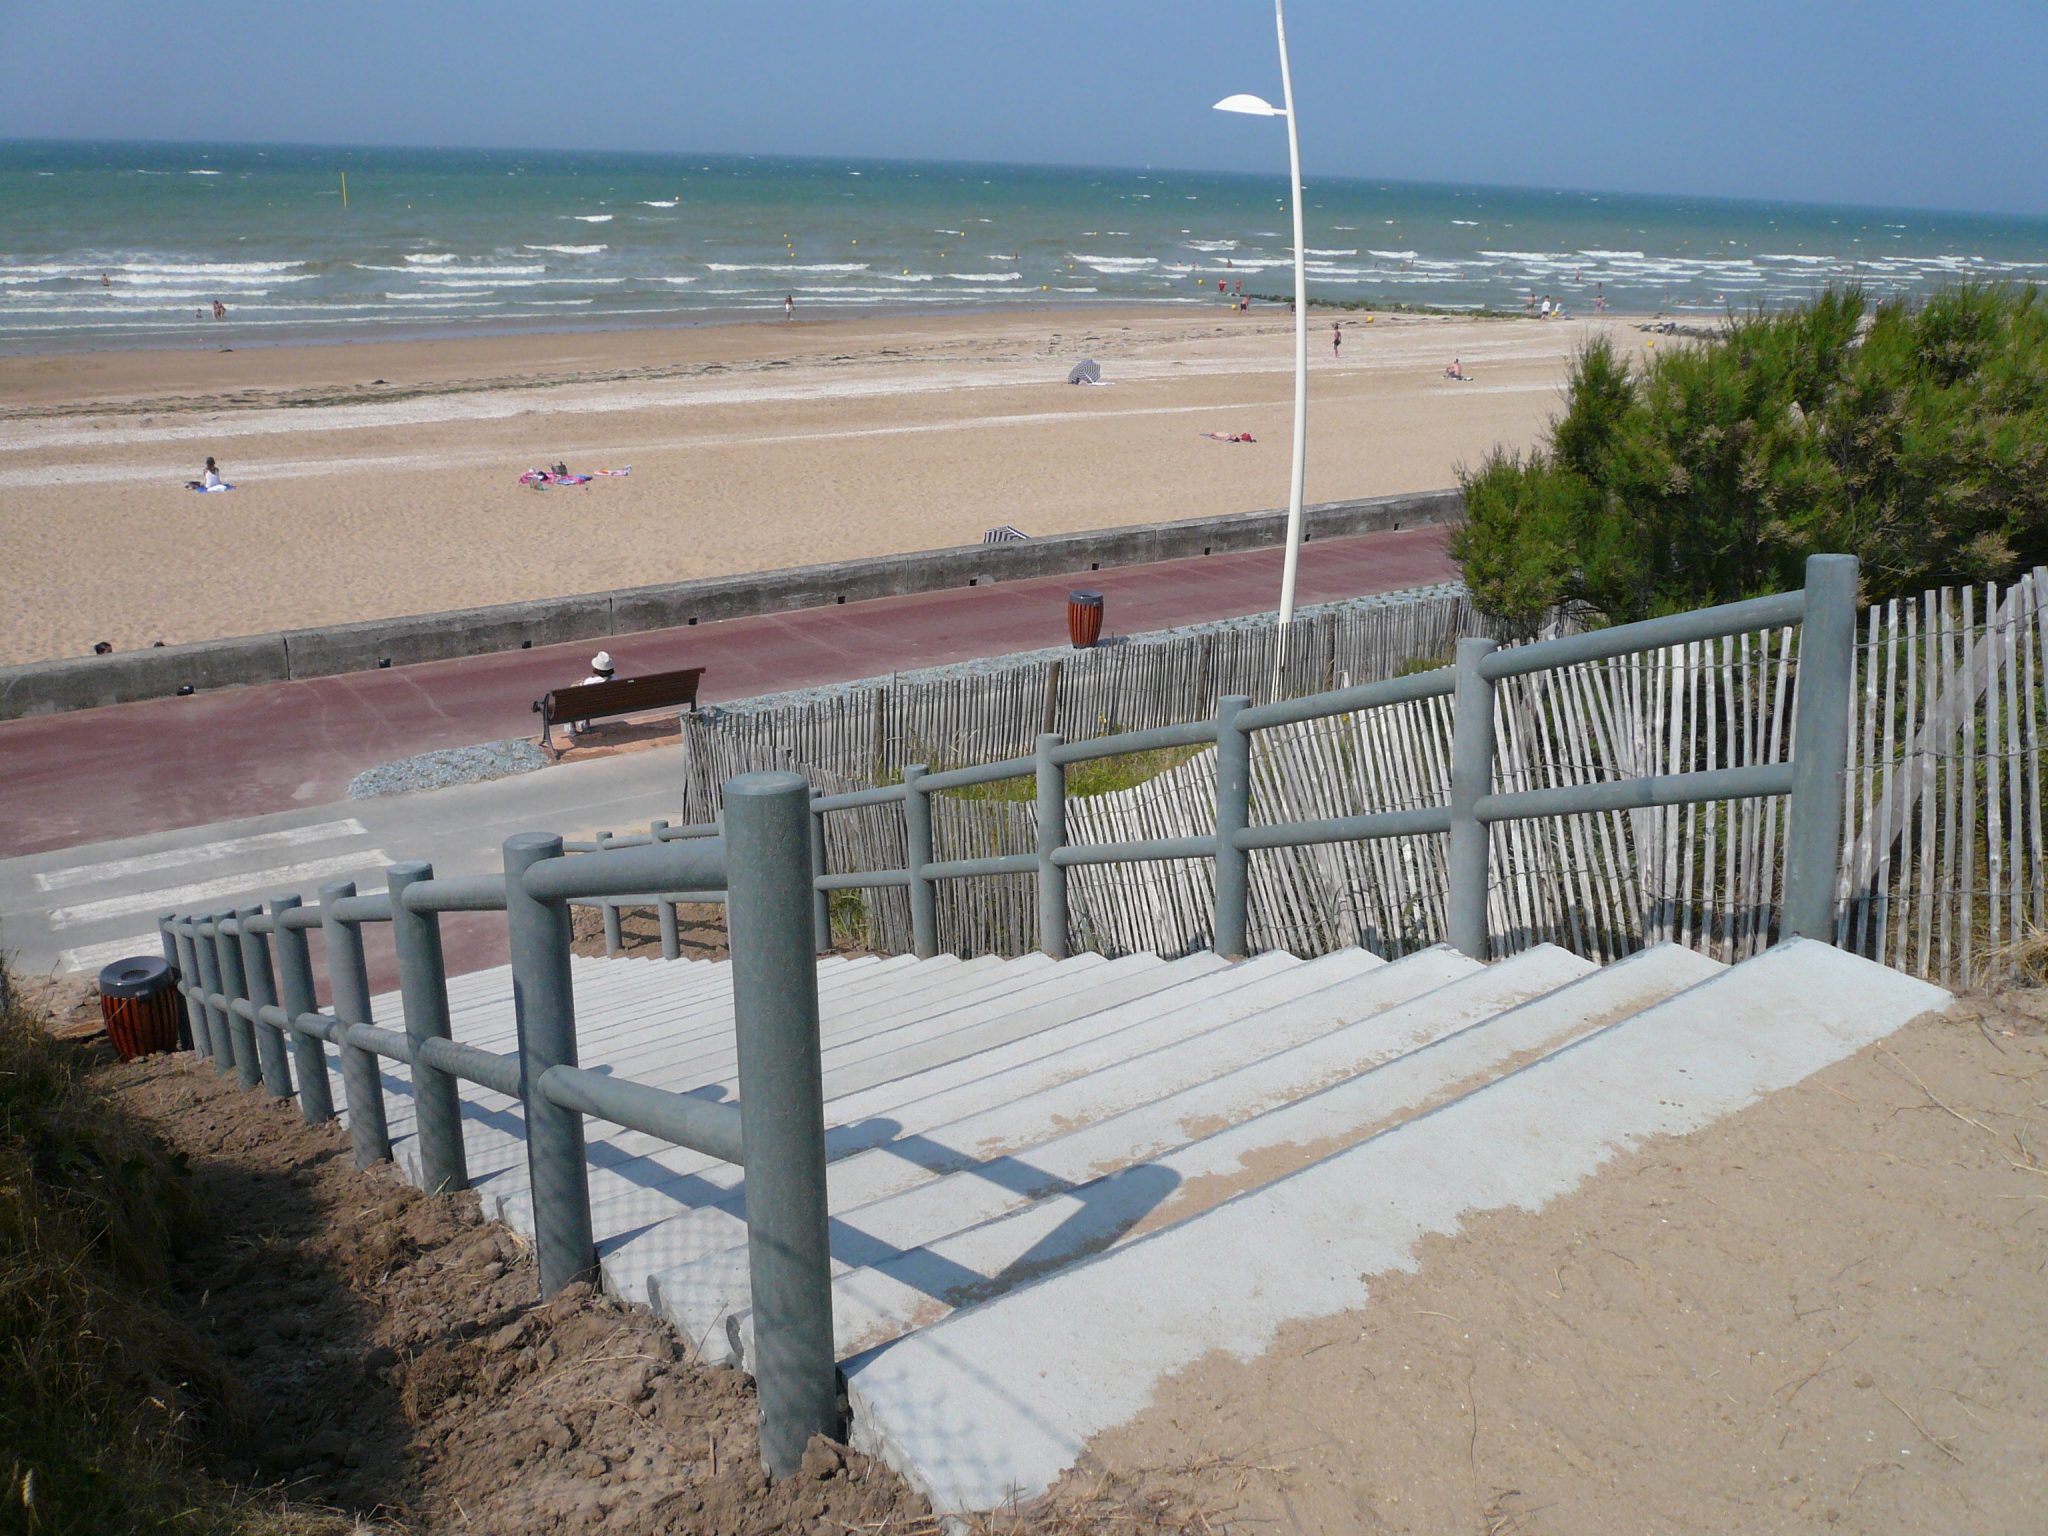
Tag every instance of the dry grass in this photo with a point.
(104, 1393)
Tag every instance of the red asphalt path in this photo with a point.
(160, 764)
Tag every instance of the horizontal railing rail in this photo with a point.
(249, 988)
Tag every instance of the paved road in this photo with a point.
(114, 815)
(136, 768)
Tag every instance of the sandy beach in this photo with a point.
(380, 479)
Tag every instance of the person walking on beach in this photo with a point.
(789, 306)
(220, 310)
(1336, 338)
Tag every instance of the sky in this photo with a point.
(1875, 102)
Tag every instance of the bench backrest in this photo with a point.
(623, 695)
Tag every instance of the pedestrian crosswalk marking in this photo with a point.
(252, 886)
(175, 858)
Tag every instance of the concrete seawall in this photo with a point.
(86, 682)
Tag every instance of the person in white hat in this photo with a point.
(601, 671)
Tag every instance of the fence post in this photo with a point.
(1233, 815)
(665, 911)
(207, 957)
(423, 995)
(782, 1119)
(1820, 746)
(614, 932)
(362, 1080)
(297, 996)
(195, 1010)
(260, 986)
(1471, 778)
(544, 1008)
(821, 901)
(917, 827)
(235, 986)
(1052, 836)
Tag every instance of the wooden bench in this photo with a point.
(621, 696)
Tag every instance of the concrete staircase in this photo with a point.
(1052, 1183)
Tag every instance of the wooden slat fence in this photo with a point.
(1944, 867)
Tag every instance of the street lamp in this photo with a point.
(1256, 106)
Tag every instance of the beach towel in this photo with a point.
(617, 473)
(540, 479)
(1230, 437)
(194, 485)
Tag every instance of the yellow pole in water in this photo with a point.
(344, 189)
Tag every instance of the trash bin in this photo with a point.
(141, 1007)
(1084, 618)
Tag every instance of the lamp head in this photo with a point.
(1251, 106)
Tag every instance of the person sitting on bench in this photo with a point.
(601, 671)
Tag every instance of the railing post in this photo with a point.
(1820, 747)
(260, 986)
(917, 827)
(207, 959)
(297, 995)
(614, 931)
(195, 1010)
(665, 911)
(175, 962)
(544, 1008)
(782, 1118)
(1052, 836)
(1233, 815)
(821, 901)
(1471, 778)
(362, 1080)
(423, 994)
(235, 986)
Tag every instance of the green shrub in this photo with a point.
(1915, 437)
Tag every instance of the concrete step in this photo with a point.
(880, 1302)
(899, 1112)
(1275, 1059)
(1098, 1082)
(690, 1044)
(637, 1180)
(932, 1023)
(998, 1400)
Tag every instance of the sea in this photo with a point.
(112, 245)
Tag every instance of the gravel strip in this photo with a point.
(449, 765)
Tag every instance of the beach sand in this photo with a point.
(379, 479)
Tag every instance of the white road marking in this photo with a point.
(172, 858)
(91, 957)
(256, 883)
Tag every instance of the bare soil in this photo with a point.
(1822, 1314)
(396, 1364)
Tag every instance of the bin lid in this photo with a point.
(1084, 597)
(142, 976)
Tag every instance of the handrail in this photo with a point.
(1648, 634)
(243, 1014)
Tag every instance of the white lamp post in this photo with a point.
(1259, 107)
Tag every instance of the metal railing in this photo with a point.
(248, 983)
(1825, 608)
(766, 860)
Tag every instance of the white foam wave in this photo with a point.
(1388, 255)
(986, 277)
(202, 173)
(567, 250)
(522, 282)
(668, 204)
(1210, 245)
(591, 218)
(1598, 255)
(432, 258)
(1112, 264)
(786, 266)
(1309, 250)
(1467, 223)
